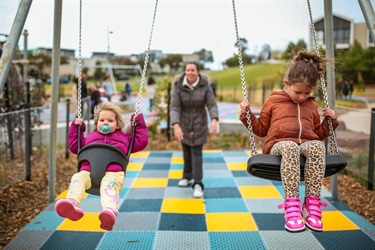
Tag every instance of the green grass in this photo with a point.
(255, 74)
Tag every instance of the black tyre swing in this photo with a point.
(100, 155)
(268, 166)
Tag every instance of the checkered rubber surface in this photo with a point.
(238, 211)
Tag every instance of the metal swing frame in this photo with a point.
(268, 166)
(100, 155)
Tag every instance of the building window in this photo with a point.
(341, 31)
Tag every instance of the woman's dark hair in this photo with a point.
(196, 65)
(307, 67)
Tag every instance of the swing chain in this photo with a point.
(79, 73)
(145, 63)
(243, 83)
(333, 148)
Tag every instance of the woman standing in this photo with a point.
(192, 94)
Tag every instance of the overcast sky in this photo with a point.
(182, 26)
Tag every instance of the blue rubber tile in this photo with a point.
(124, 191)
(73, 240)
(177, 166)
(128, 182)
(227, 192)
(217, 173)
(177, 153)
(141, 205)
(240, 174)
(131, 174)
(156, 166)
(207, 155)
(134, 159)
(146, 193)
(246, 181)
(344, 240)
(370, 233)
(173, 183)
(154, 174)
(172, 240)
(219, 182)
(164, 154)
(158, 160)
(215, 165)
(129, 240)
(212, 159)
(137, 221)
(236, 240)
(269, 221)
(91, 205)
(45, 221)
(225, 205)
(179, 192)
(287, 240)
(358, 220)
(182, 222)
(29, 239)
(339, 205)
(236, 158)
(229, 153)
(264, 205)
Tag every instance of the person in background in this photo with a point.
(108, 123)
(151, 91)
(192, 94)
(107, 86)
(291, 124)
(128, 90)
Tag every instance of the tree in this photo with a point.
(173, 60)
(265, 53)
(243, 44)
(293, 49)
(204, 56)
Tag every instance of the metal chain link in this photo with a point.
(79, 71)
(137, 106)
(333, 148)
(243, 82)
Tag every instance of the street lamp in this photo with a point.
(108, 33)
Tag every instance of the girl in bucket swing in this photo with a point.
(108, 123)
(291, 124)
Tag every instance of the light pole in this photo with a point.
(108, 47)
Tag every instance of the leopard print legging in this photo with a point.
(314, 151)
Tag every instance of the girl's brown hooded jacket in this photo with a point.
(281, 119)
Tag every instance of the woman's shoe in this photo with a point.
(312, 213)
(69, 208)
(185, 182)
(293, 218)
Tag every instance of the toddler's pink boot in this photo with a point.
(312, 213)
(107, 218)
(293, 218)
(69, 208)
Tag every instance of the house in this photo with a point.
(345, 32)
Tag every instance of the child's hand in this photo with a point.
(329, 112)
(244, 105)
(78, 121)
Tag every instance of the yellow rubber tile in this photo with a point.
(337, 221)
(175, 174)
(177, 160)
(89, 222)
(259, 151)
(212, 151)
(230, 222)
(236, 166)
(150, 182)
(183, 206)
(265, 192)
(141, 154)
(134, 166)
(65, 193)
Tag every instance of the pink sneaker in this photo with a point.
(312, 213)
(107, 218)
(69, 208)
(293, 219)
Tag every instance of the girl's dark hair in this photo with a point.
(194, 63)
(307, 67)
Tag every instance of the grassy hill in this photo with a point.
(255, 74)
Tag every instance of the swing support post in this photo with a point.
(328, 28)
